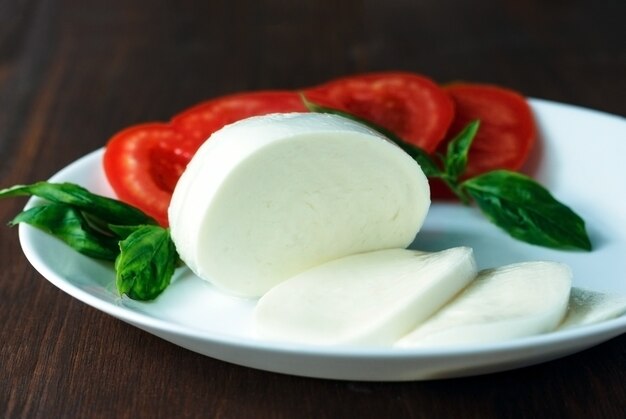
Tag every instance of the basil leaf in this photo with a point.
(428, 166)
(107, 209)
(68, 224)
(455, 160)
(146, 263)
(527, 211)
(122, 231)
(426, 163)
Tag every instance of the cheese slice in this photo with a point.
(269, 197)
(590, 307)
(371, 298)
(504, 303)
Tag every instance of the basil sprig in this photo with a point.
(69, 224)
(111, 210)
(514, 202)
(103, 228)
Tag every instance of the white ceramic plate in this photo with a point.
(580, 160)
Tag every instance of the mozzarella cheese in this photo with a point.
(371, 298)
(269, 197)
(590, 307)
(317, 210)
(512, 301)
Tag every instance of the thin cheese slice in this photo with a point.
(590, 307)
(370, 298)
(509, 302)
(269, 197)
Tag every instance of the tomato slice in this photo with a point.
(202, 120)
(507, 130)
(143, 164)
(411, 106)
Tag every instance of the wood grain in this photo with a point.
(74, 72)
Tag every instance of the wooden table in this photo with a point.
(74, 72)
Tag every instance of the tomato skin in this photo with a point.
(410, 105)
(506, 135)
(507, 130)
(142, 163)
(203, 119)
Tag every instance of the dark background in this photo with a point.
(72, 73)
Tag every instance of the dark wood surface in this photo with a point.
(74, 72)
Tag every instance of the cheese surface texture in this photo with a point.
(269, 197)
(508, 302)
(371, 298)
(590, 307)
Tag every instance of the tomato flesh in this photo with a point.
(507, 130)
(411, 106)
(167, 163)
(202, 120)
(143, 163)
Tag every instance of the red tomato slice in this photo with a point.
(143, 164)
(507, 130)
(411, 106)
(202, 120)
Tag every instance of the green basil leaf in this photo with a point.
(426, 163)
(68, 224)
(122, 231)
(428, 166)
(455, 160)
(146, 263)
(109, 210)
(527, 211)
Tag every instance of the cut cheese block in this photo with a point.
(589, 307)
(269, 197)
(509, 302)
(371, 298)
